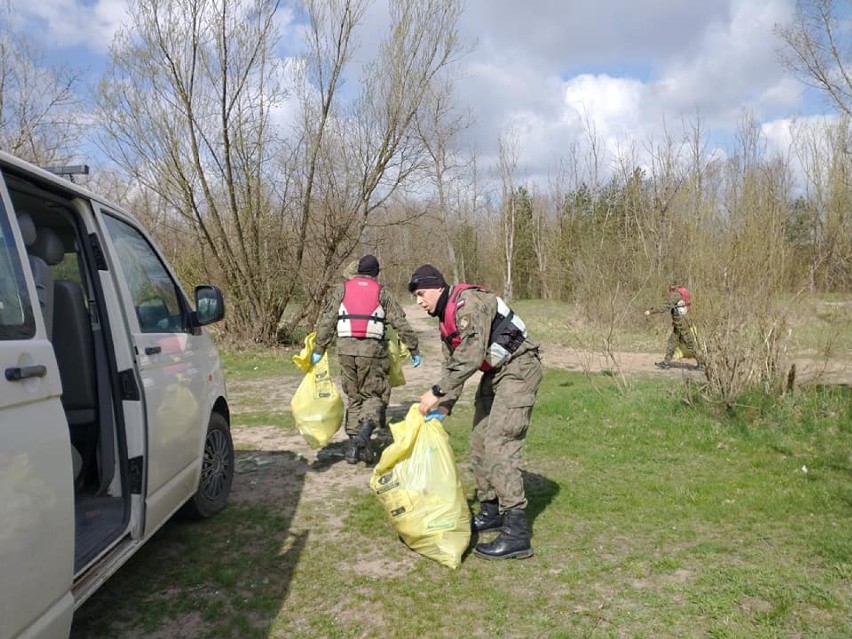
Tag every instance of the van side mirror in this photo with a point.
(209, 304)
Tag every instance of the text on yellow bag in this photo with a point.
(417, 483)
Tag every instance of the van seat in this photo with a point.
(47, 251)
(75, 356)
(72, 342)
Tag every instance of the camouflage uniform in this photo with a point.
(503, 404)
(351, 270)
(364, 362)
(681, 328)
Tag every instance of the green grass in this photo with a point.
(824, 320)
(251, 364)
(557, 323)
(651, 518)
(818, 322)
(262, 418)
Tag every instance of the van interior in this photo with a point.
(64, 263)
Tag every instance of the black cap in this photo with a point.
(426, 276)
(368, 265)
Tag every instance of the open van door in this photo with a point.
(36, 476)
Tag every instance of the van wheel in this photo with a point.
(217, 471)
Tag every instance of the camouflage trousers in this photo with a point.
(365, 382)
(683, 336)
(502, 411)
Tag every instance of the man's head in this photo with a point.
(368, 265)
(427, 283)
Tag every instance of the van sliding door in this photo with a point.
(36, 480)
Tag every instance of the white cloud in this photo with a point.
(734, 66)
(657, 64)
(612, 103)
(71, 23)
(559, 36)
(551, 68)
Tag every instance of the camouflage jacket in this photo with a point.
(473, 321)
(675, 301)
(327, 328)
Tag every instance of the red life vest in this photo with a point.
(361, 314)
(508, 331)
(687, 300)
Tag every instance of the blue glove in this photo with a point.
(315, 357)
(415, 361)
(435, 414)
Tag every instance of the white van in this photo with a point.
(113, 414)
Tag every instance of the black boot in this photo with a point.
(365, 447)
(488, 518)
(351, 455)
(513, 540)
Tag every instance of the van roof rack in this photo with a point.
(69, 170)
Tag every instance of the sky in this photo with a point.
(551, 70)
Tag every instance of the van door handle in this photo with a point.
(17, 373)
(152, 350)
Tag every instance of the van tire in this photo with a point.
(217, 471)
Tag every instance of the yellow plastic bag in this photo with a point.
(317, 406)
(416, 482)
(398, 353)
(303, 359)
(681, 350)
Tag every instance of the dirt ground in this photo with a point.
(322, 476)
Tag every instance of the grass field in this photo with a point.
(651, 518)
(818, 323)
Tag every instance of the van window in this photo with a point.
(16, 314)
(155, 295)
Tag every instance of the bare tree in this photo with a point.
(324, 239)
(818, 49)
(438, 126)
(186, 111)
(508, 150)
(364, 153)
(39, 103)
(542, 237)
(825, 221)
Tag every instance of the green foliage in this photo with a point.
(525, 271)
(467, 245)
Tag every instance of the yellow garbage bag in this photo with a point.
(398, 353)
(317, 406)
(303, 359)
(416, 481)
(681, 350)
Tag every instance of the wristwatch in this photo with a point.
(437, 392)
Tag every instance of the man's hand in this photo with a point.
(415, 361)
(428, 401)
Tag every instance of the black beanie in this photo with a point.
(368, 265)
(426, 276)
